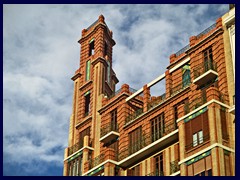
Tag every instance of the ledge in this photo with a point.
(86, 84)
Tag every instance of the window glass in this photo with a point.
(195, 141)
(200, 137)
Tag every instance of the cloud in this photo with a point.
(41, 54)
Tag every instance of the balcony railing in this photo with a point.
(115, 93)
(133, 115)
(182, 85)
(75, 148)
(182, 50)
(174, 167)
(155, 173)
(145, 140)
(197, 142)
(204, 67)
(156, 101)
(206, 31)
(108, 128)
(96, 161)
(197, 102)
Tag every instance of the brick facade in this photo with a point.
(185, 131)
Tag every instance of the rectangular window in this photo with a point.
(108, 72)
(208, 59)
(87, 103)
(159, 165)
(114, 120)
(197, 138)
(75, 167)
(157, 127)
(88, 65)
(135, 142)
(91, 47)
(85, 132)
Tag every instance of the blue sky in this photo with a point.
(41, 54)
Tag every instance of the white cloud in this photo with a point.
(41, 54)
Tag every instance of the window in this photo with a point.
(105, 49)
(87, 103)
(186, 78)
(208, 59)
(85, 132)
(135, 171)
(88, 65)
(197, 130)
(114, 120)
(157, 127)
(75, 167)
(135, 138)
(159, 165)
(91, 47)
(202, 167)
(197, 138)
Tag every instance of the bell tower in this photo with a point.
(94, 80)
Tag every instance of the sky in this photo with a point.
(41, 54)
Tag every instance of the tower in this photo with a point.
(94, 80)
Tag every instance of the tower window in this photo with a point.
(91, 48)
(105, 49)
(87, 104)
(88, 64)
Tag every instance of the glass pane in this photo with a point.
(200, 137)
(195, 142)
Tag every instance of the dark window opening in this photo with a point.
(159, 165)
(114, 120)
(157, 127)
(135, 171)
(87, 104)
(208, 59)
(91, 48)
(135, 140)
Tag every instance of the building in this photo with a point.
(189, 130)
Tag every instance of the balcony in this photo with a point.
(180, 87)
(205, 72)
(75, 148)
(109, 132)
(174, 167)
(156, 101)
(96, 161)
(232, 109)
(197, 102)
(133, 115)
(155, 173)
(147, 145)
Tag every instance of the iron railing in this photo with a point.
(112, 126)
(174, 167)
(133, 115)
(75, 148)
(182, 50)
(155, 173)
(145, 140)
(114, 94)
(96, 161)
(156, 101)
(179, 87)
(207, 30)
(197, 102)
(204, 67)
(197, 142)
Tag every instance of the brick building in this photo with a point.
(188, 130)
